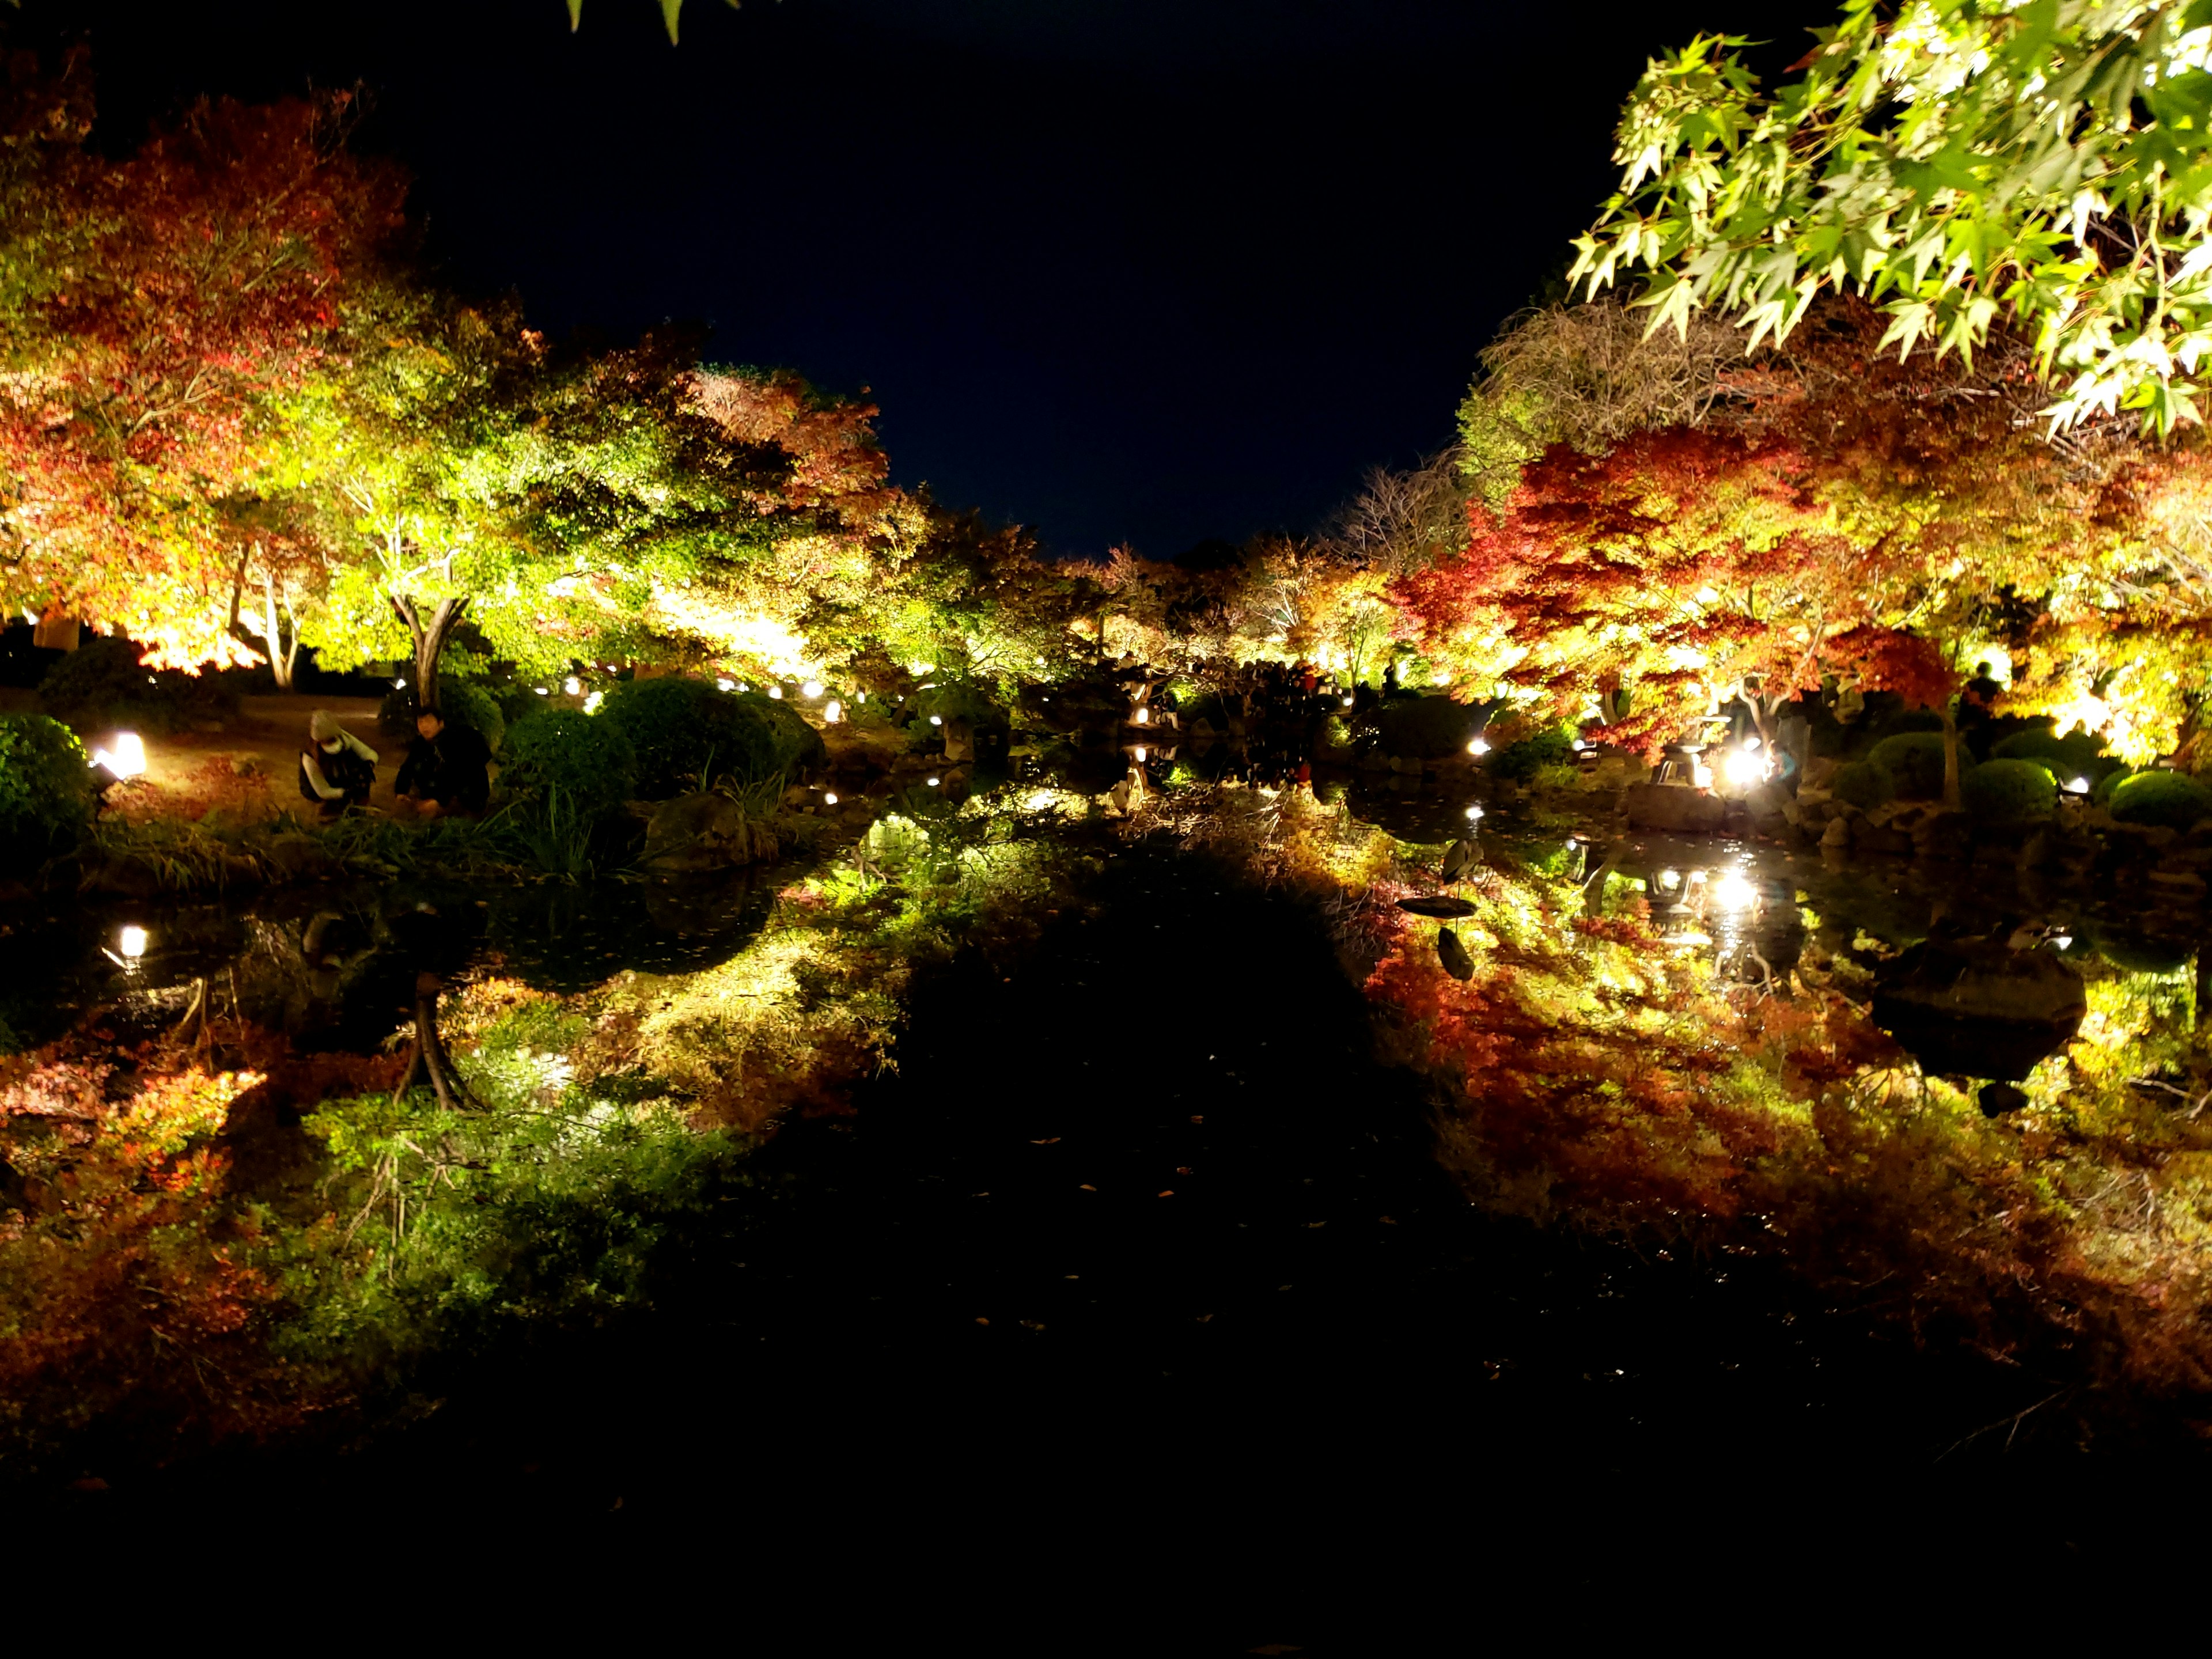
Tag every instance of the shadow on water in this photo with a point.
(1136, 1296)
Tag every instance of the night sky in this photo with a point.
(1148, 271)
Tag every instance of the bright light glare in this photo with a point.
(811, 688)
(1743, 768)
(726, 685)
(1733, 892)
(859, 696)
(541, 690)
(1140, 754)
(2077, 786)
(1473, 812)
(591, 703)
(2063, 941)
(832, 712)
(132, 942)
(937, 720)
(571, 685)
(932, 783)
(829, 798)
(127, 759)
(1752, 743)
(1478, 747)
(399, 685)
(1347, 702)
(1144, 717)
(1669, 880)
(776, 691)
(1579, 745)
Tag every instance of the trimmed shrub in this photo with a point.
(2102, 794)
(1914, 761)
(463, 703)
(564, 759)
(2010, 790)
(46, 795)
(2038, 743)
(1524, 759)
(684, 730)
(2153, 798)
(101, 683)
(1862, 785)
(1425, 728)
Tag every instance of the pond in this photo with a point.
(1145, 1222)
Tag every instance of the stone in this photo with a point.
(694, 833)
(1997, 1098)
(959, 740)
(1670, 806)
(1838, 834)
(298, 857)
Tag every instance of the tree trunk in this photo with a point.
(283, 656)
(1951, 800)
(429, 637)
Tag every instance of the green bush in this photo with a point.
(2167, 798)
(46, 795)
(1862, 785)
(2102, 794)
(2076, 755)
(2009, 791)
(569, 766)
(101, 683)
(684, 732)
(1914, 761)
(2037, 743)
(1524, 759)
(1424, 728)
(463, 702)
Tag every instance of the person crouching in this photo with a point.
(337, 768)
(447, 769)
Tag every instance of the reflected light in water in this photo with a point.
(1733, 892)
(1742, 768)
(1669, 880)
(1473, 812)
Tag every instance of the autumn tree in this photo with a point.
(178, 295)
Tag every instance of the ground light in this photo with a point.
(127, 759)
(811, 688)
(2077, 786)
(1478, 746)
(1742, 768)
(776, 691)
(932, 783)
(571, 685)
(832, 712)
(1733, 892)
(937, 720)
(1669, 880)
(129, 948)
(726, 685)
(1144, 717)
(829, 797)
(1473, 812)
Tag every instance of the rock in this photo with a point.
(1459, 858)
(1808, 795)
(1670, 806)
(959, 740)
(298, 858)
(1885, 811)
(1453, 954)
(1999, 1097)
(2136, 840)
(2182, 883)
(1884, 839)
(693, 833)
(1838, 834)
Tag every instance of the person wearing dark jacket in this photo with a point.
(337, 768)
(445, 768)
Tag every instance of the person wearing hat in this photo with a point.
(337, 768)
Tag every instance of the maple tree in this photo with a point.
(180, 291)
(2041, 166)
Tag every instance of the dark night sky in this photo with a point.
(1149, 270)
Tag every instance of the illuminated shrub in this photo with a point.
(1914, 761)
(2077, 755)
(46, 790)
(2010, 790)
(1429, 728)
(1862, 784)
(2155, 798)
(582, 761)
(683, 732)
(101, 683)
(1526, 758)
